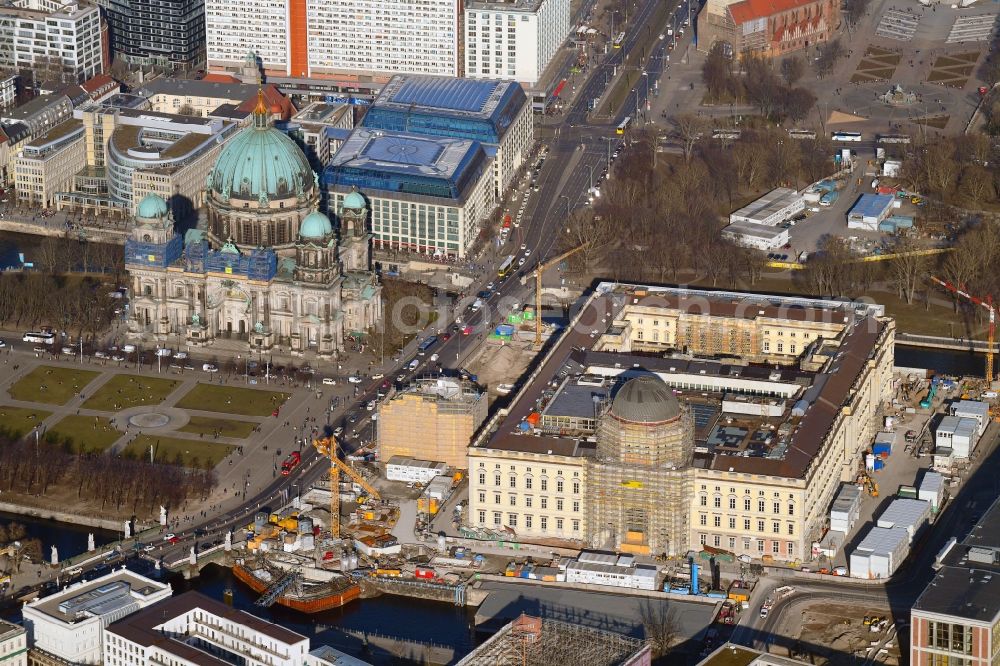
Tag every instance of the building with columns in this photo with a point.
(264, 265)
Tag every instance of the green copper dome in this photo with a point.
(354, 201)
(315, 225)
(260, 164)
(151, 207)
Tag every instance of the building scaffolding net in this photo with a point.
(530, 641)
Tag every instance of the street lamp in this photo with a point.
(610, 140)
(563, 196)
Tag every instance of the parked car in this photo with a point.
(329, 381)
(210, 367)
(163, 352)
(354, 379)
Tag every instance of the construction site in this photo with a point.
(532, 641)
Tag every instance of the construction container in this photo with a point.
(879, 464)
(907, 514)
(305, 526)
(931, 490)
(907, 492)
(869, 462)
(845, 508)
(425, 573)
(880, 553)
(882, 447)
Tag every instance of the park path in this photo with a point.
(252, 469)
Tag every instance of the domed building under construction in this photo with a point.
(640, 479)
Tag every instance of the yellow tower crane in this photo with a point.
(537, 273)
(329, 447)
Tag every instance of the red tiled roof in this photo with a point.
(220, 78)
(94, 84)
(279, 105)
(748, 10)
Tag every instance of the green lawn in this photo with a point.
(188, 452)
(232, 400)
(125, 391)
(226, 427)
(51, 384)
(84, 434)
(18, 421)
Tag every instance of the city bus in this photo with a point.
(619, 40)
(428, 343)
(850, 137)
(624, 125)
(39, 337)
(893, 138)
(801, 134)
(506, 266)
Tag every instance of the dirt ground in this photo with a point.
(834, 635)
(497, 363)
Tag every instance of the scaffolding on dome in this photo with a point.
(532, 641)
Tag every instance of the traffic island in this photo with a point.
(51, 384)
(232, 400)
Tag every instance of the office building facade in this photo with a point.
(341, 39)
(494, 113)
(55, 39)
(68, 627)
(193, 629)
(514, 41)
(424, 194)
(956, 619)
(157, 32)
(679, 462)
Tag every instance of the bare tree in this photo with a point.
(829, 54)
(689, 129)
(793, 68)
(907, 269)
(661, 625)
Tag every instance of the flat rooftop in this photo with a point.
(142, 627)
(755, 230)
(729, 654)
(528, 6)
(103, 596)
(8, 629)
(968, 585)
(769, 204)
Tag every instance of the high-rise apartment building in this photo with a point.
(56, 39)
(513, 41)
(160, 32)
(335, 38)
